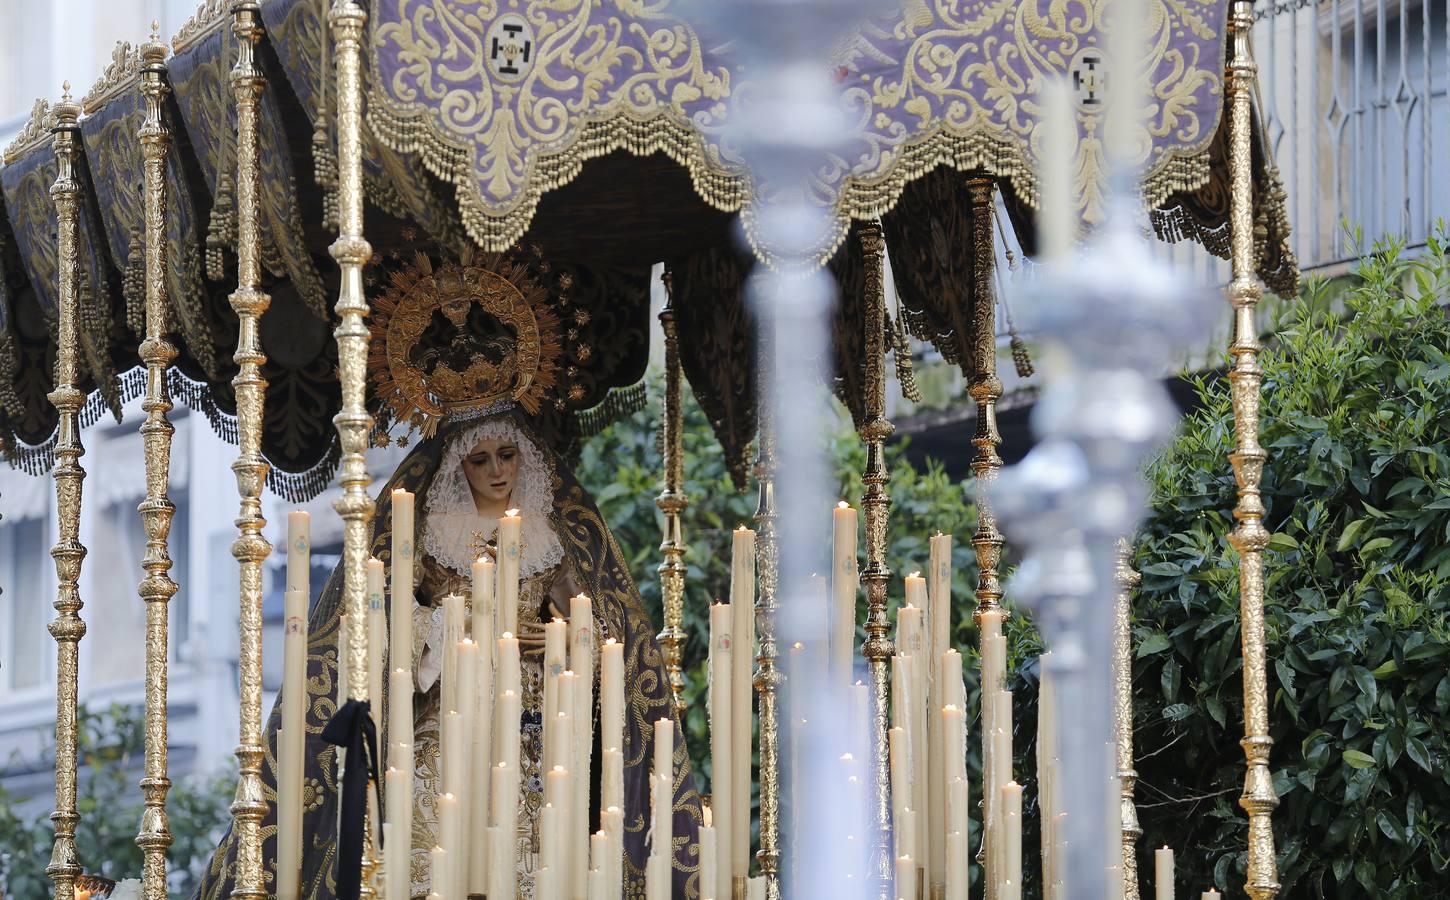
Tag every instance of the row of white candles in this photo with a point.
(480, 733)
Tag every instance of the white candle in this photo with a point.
(453, 631)
(400, 807)
(599, 867)
(952, 722)
(989, 624)
(481, 617)
(508, 663)
(480, 745)
(503, 864)
(1211, 894)
(721, 665)
(508, 572)
(377, 637)
(1011, 881)
(581, 660)
(400, 635)
(1163, 874)
(901, 814)
(957, 866)
(292, 743)
(709, 871)
(462, 766)
(507, 728)
(438, 871)
(556, 635)
(611, 700)
(299, 552)
(611, 822)
(659, 868)
(905, 878)
(503, 832)
(553, 849)
(909, 637)
(664, 756)
(742, 631)
(845, 580)
(611, 788)
(938, 628)
(400, 706)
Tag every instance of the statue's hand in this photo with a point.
(531, 638)
(563, 588)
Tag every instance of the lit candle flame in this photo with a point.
(511, 513)
(843, 505)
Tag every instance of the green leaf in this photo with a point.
(1281, 541)
(1415, 749)
(1346, 537)
(1375, 545)
(1356, 759)
(1154, 643)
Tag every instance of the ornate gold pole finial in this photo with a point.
(768, 677)
(67, 627)
(157, 588)
(1123, 716)
(1249, 538)
(878, 647)
(985, 389)
(672, 502)
(352, 421)
(250, 548)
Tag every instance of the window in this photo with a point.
(25, 604)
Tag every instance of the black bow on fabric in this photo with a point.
(351, 728)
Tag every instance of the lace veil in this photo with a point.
(451, 520)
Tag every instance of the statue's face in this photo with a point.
(492, 468)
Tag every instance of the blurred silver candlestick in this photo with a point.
(1110, 318)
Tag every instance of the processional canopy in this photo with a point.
(598, 132)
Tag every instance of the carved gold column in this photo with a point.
(876, 501)
(672, 502)
(1123, 717)
(352, 421)
(67, 627)
(768, 677)
(985, 389)
(1249, 537)
(250, 548)
(157, 588)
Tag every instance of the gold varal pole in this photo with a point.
(250, 548)
(876, 501)
(672, 502)
(157, 588)
(1123, 717)
(1249, 538)
(985, 389)
(768, 677)
(67, 627)
(352, 421)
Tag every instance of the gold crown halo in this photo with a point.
(458, 337)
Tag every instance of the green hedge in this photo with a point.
(1356, 418)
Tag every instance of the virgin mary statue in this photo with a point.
(478, 460)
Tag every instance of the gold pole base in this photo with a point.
(738, 888)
